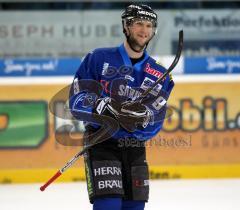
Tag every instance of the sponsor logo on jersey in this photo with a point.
(105, 68)
(129, 78)
(106, 172)
(105, 84)
(110, 170)
(147, 82)
(103, 184)
(152, 71)
(141, 183)
(129, 92)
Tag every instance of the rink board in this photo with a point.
(202, 139)
(156, 172)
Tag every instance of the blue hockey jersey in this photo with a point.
(106, 65)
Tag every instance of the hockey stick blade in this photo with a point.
(172, 66)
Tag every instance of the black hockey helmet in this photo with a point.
(139, 11)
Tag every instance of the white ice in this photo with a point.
(208, 194)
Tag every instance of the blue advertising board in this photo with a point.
(38, 67)
(212, 65)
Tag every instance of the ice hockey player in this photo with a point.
(116, 169)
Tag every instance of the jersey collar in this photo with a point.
(127, 61)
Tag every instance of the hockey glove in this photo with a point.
(135, 115)
(103, 107)
(129, 115)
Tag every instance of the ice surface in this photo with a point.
(208, 194)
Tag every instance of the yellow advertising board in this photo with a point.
(201, 139)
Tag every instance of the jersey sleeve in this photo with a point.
(88, 68)
(80, 97)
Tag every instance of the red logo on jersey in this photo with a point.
(105, 85)
(152, 71)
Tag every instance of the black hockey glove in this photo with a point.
(130, 115)
(135, 115)
(103, 106)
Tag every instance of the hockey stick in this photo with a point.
(141, 98)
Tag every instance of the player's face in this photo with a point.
(140, 31)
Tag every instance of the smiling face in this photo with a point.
(140, 32)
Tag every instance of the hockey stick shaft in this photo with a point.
(62, 170)
(168, 71)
